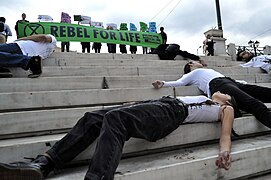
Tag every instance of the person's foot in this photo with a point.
(5, 73)
(20, 170)
(35, 170)
(35, 66)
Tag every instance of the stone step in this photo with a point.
(97, 82)
(88, 97)
(249, 156)
(88, 61)
(52, 71)
(80, 82)
(76, 55)
(29, 123)
(137, 57)
(185, 135)
(72, 98)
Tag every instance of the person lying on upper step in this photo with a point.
(250, 98)
(150, 120)
(27, 53)
(170, 51)
(262, 61)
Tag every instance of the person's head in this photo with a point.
(162, 29)
(2, 19)
(23, 16)
(244, 56)
(208, 36)
(222, 98)
(191, 65)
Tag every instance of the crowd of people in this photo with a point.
(150, 120)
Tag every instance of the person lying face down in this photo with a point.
(150, 120)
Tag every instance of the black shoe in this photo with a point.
(35, 66)
(5, 73)
(45, 163)
(20, 170)
(35, 170)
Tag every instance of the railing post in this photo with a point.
(232, 51)
(267, 50)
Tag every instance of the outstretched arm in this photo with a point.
(224, 157)
(37, 38)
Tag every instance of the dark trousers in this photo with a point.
(65, 44)
(249, 98)
(85, 46)
(150, 120)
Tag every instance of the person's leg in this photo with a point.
(14, 60)
(88, 47)
(86, 130)
(83, 47)
(62, 46)
(151, 120)
(68, 46)
(244, 101)
(81, 135)
(258, 92)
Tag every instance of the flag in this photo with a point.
(133, 27)
(65, 17)
(97, 24)
(123, 26)
(85, 20)
(113, 25)
(44, 18)
(152, 27)
(143, 26)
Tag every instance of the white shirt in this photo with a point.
(200, 113)
(200, 77)
(6, 31)
(31, 48)
(259, 61)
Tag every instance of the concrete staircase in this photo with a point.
(35, 113)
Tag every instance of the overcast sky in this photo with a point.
(184, 21)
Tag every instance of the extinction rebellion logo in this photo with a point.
(33, 28)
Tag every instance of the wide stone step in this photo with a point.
(89, 61)
(183, 136)
(29, 123)
(80, 82)
(51, 71)
(249, 156)
(76, 55)
(73, 98)
(98, 82)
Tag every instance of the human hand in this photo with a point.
(157, 84)
(201, 61)
(224, 160)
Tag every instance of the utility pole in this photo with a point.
(219, 22)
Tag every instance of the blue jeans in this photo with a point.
(150, 120)
(12, 56)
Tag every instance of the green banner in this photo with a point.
(79, 33)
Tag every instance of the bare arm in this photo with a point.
(224, 157)
(37, 38)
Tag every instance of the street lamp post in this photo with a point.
(254, 45)
(218, 14)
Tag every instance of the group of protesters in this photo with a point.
(150, 120)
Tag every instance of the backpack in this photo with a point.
(2, 27)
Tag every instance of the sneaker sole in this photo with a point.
(5, 75)
(19, 173)
(33, 75)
